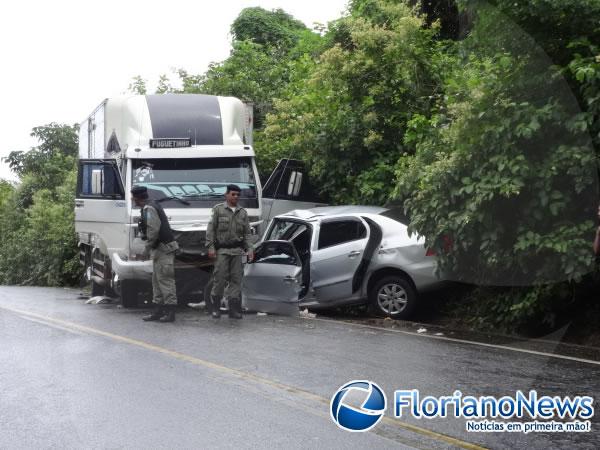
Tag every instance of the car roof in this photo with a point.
(328, 211)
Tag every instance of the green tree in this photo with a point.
(269, 49)
(39, 244)
(137, 86)
(275, 29)
(252, 73)
(55, 140)
(348, 118)
(504, 183)
(46, 165)
(164, 85)
(6, 191)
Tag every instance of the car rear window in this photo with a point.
(397, 214)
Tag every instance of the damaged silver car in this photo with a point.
(342, 255)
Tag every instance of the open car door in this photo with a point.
(288, 188)
(273, 281)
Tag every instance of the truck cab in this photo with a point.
(185, 148)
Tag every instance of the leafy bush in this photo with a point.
(348, 118)
(505, 167)
(39, 245)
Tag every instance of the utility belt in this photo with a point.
(219, 245)
(168, 247)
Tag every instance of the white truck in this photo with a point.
(185, 148)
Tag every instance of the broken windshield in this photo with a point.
(197, 179)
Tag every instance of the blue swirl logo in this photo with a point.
(358, 405)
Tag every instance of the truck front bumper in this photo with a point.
(132, 270)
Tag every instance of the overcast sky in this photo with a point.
(61, 58)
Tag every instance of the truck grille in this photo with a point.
(192, 246)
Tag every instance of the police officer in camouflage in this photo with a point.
(161, 246)
(228, 239)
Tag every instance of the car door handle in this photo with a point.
(353, 254)
(289, 279)
(78, 203)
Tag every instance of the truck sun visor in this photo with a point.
(197, 117)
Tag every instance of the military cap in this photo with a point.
(139, 191)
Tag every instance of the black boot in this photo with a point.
(215, 307)
(170, 315)
(209, 306)
(235, 308)
(156, 314)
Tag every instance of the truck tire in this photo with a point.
(97, 289)
(129, 293)
(393, 296)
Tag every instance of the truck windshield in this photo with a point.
(194, 180)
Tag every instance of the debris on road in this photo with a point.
(422, 330)
(199, 305)
(261, 314)
(100, 300)
(306, 314)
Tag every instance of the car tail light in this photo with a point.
(448, 243)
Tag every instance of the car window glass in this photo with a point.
(276, 253)
(286, 230)
(338, 232)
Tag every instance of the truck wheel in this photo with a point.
(129, 293)
(393, 296)
(110, 292)
(97, 289)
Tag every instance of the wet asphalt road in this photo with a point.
(95, 376)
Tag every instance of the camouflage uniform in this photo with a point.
(228, 234)
(163, 258)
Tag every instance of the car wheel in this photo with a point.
(129, 293)
(393, 296)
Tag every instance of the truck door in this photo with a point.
(288, 188)
(273, 281)
(341, 244)
(100, 197)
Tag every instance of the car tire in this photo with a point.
(393, 296)
(129, 293)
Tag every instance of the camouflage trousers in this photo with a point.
(163, 278)
(228, 270)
